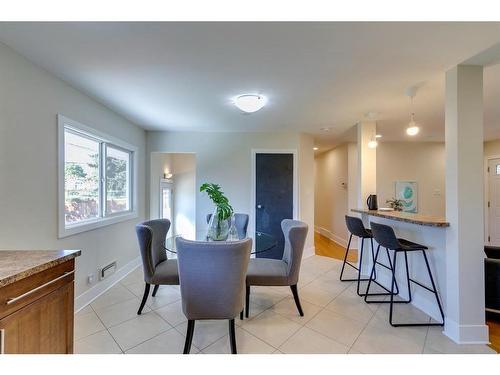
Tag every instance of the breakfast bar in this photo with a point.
(423, 229)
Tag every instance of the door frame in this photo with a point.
(487, 196)
(296, 208)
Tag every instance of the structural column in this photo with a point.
(367, 172)
(465, 315)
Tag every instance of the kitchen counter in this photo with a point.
(19, 264)
(408, 217)
(426, 230)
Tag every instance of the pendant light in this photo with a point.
(412, 129)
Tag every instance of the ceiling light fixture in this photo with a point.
(412, 128)
(250, 103)
(378, 136)
(315, 148)
(372, 144)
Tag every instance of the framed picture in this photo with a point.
(407, 191)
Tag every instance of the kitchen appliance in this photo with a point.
(371, 201)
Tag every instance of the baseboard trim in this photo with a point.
(333, 237)
(308, 252)
(466, 334)
(91, 294)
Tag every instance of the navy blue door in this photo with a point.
(273, 197)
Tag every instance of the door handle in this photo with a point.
(15, 299)
(260, 206)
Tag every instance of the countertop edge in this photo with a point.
(436, 224)
(39, 268)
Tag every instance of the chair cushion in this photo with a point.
(166, 273)
(271, 272)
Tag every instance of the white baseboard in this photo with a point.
(466, 334)
(91, 294)
(332, 236)
(308, 252)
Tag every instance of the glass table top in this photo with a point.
(261, 241)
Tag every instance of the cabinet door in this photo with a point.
(44, 326)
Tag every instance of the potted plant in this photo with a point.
(396, 204)
(218, 227)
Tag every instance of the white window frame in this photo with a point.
(65, 230)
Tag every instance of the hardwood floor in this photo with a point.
(493, 321)
(326, 247)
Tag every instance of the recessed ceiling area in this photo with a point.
(183, 76)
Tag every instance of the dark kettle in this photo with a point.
(371, 201)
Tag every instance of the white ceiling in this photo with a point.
(181, 76)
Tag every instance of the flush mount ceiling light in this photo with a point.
(378, 136)
(412, 128)
(372, 144)
(250, 103)
(315, 148)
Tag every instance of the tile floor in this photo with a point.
(336, 321)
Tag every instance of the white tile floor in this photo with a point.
(336, 321)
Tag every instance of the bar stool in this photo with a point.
(385, 237)
(356, 228)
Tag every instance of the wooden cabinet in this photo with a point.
(36, 313)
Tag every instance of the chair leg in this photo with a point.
(360, 266)
(247, 301)
(408, 277)
(189, 336)
(392, 288)
(155, 289)
(232, 336)
(345, 257)
(296, 298)
(373, 259)
(144, 298)
(367, 292)
(433, 286)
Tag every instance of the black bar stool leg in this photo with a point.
(408, 277)
(391, 265)
(373, 258)
(345, 257)
(392, 287)
(433, 286)
(371, 273)
(360, 266)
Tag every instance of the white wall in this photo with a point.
(30, 99)
(423, 162)
(331, 196)
(225, 158)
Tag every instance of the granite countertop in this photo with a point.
(408, 217)
(18, 264)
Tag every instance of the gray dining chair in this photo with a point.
(280, 272)
(158, 269)
(240, 222)
(212, 278)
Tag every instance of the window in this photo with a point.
(96, 178)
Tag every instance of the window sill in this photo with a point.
(85, 227)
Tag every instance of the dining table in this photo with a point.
(262, 241)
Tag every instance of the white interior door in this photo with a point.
(494, 202)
